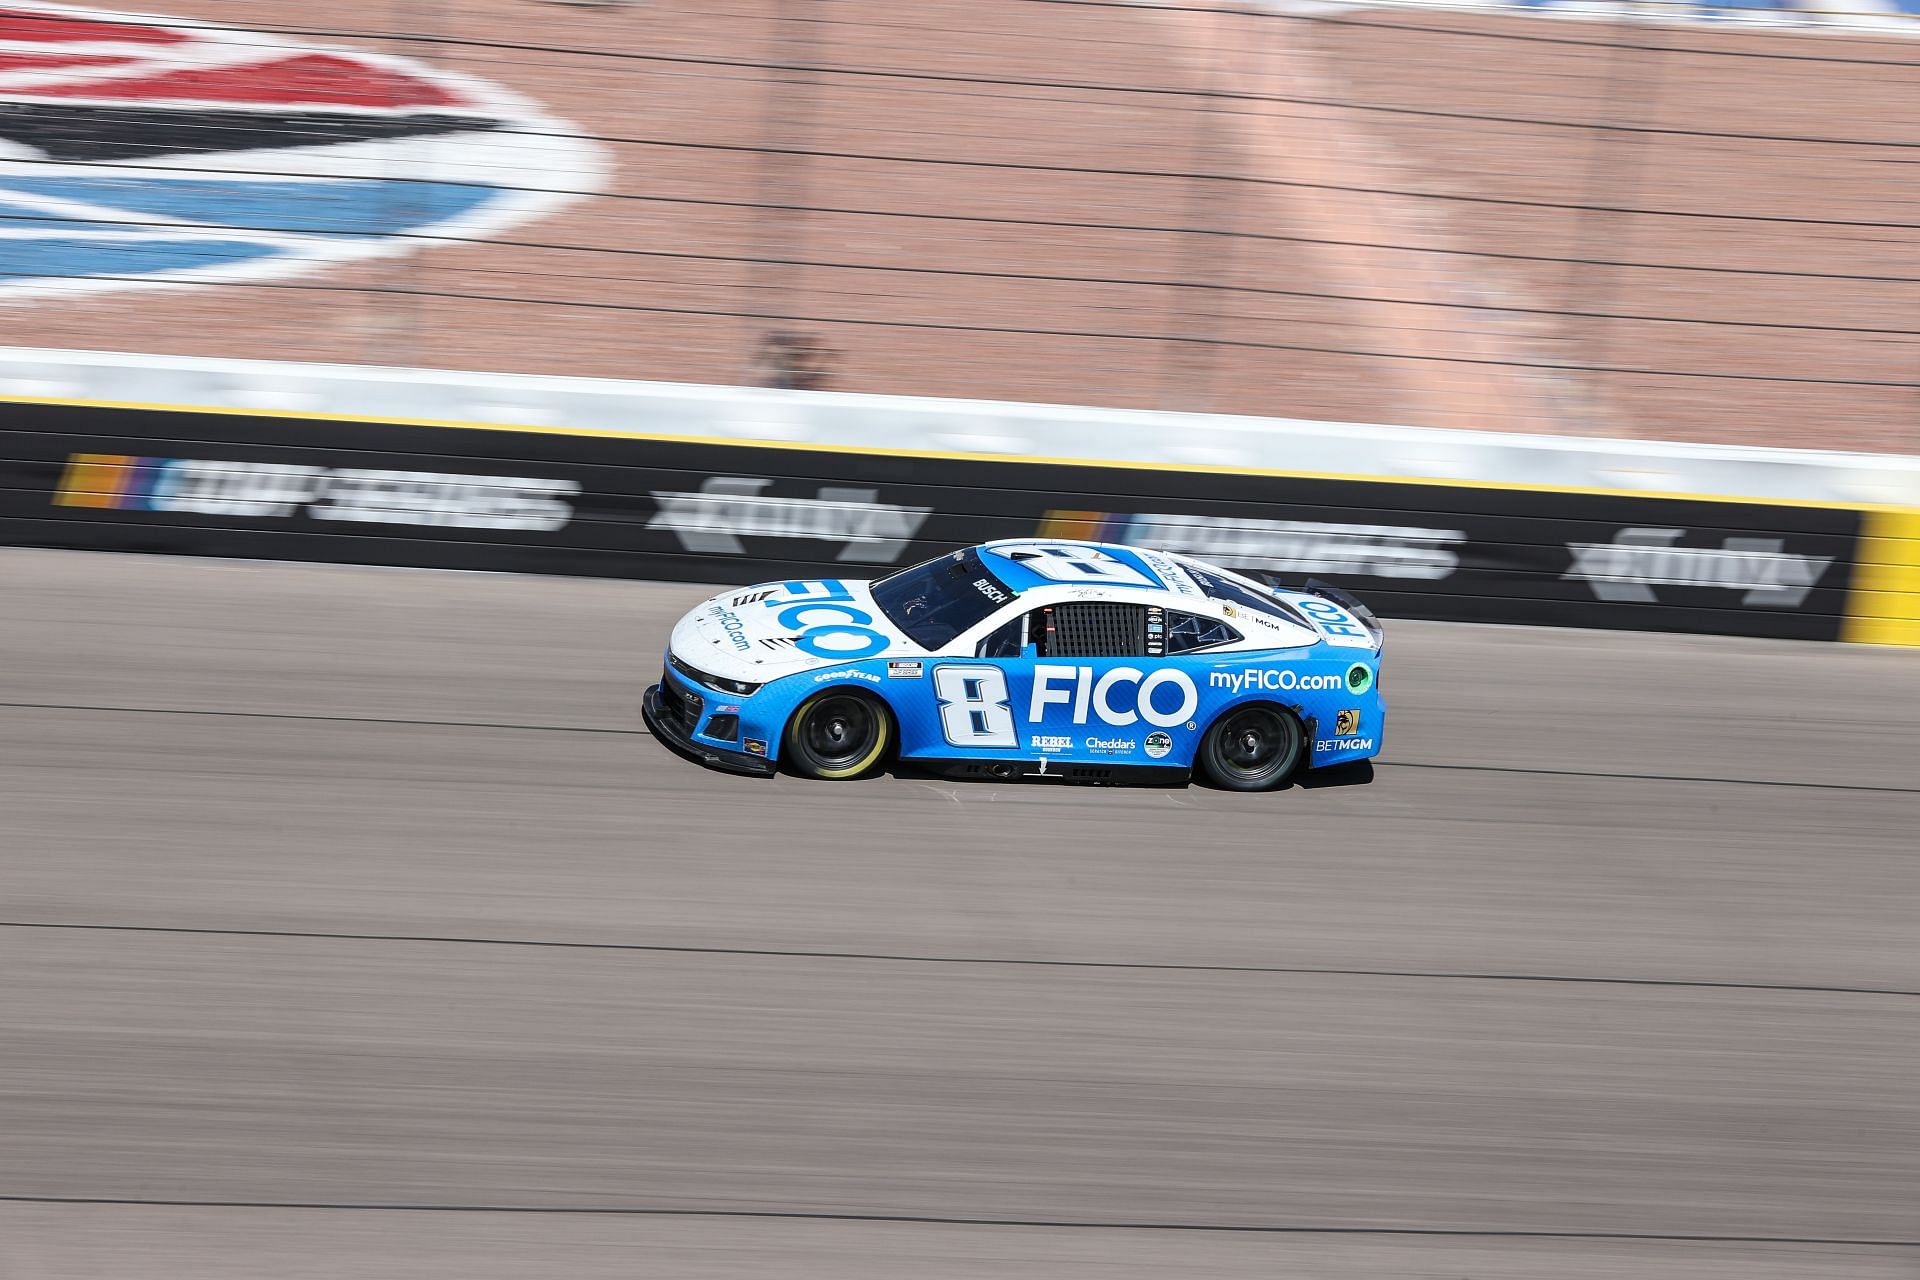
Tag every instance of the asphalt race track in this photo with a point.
(354, 927)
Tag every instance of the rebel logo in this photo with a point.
(148, 149)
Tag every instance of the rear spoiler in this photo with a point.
(1348, 601)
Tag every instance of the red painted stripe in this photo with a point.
(39, 28)
(318, 79)
(31, 61)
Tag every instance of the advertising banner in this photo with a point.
(272, 487)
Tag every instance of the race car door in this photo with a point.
(1084, 680)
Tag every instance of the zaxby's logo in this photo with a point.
(147, 149)
(121, 482)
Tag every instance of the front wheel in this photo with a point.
(1252, 748)
(837, 734)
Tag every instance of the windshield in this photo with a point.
(936, 601)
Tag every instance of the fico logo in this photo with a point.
(1079, 689)
(145, 149)
(829, 624)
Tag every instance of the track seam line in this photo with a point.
(888, 957)
(947, 1220)
(1646, 777)
(643, 733)
(319, 718)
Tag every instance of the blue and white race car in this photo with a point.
(1081, 661)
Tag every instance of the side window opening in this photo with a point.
(1189, 633)
(1093, 629)
(1004, 641)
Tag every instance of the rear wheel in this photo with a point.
(1252, 748)
(837, 734)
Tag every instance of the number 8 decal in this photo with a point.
(973, 706)
(1070, 562)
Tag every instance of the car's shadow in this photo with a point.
(1357, 774)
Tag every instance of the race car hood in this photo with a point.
(740, 633)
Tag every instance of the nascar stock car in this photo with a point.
(1080, 661)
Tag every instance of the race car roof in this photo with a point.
(1026, 563)
(1023, 564)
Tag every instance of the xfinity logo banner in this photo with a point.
(1292, 547)
(680, 510)
(122, 482)
(1627, 569)
(727, 508)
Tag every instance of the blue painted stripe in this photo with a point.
(333, 207)
(54, 257)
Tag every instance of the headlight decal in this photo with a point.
(739, 688)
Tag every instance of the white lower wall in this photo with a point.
(862, 422)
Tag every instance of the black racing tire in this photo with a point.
(1252, 747)
(837, 734)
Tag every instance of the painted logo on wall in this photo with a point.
(1852, 17)
(142, 149)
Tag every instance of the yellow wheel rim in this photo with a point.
(882, 736)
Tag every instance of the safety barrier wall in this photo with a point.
(573, 501)
(863, 423)
(1884, 606)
